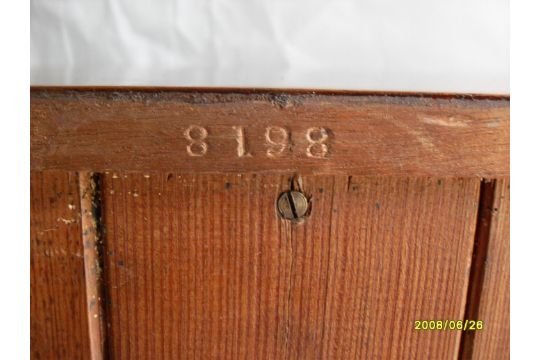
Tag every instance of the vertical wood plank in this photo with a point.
(397, 250)
(201, 266)
(493, 342)
(198, 266)
(58, 323)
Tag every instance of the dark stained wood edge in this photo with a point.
(478, 264)
(91, 236)
(263, 90)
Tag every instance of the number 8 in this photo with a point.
(317, 147)
(197, 146)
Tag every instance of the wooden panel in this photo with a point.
(399, 251)
(494, 309)
(201, 266)
(198, 266)
(347, 133)
(58, 324)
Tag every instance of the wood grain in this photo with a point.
(201, 266)
(494, 308)
(194, 260)
(92, 241)
(58, 323)
(368, 134)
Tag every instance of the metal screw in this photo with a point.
(292, 205)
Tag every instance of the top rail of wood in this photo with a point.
(269, 130)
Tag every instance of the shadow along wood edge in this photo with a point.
(488, 297)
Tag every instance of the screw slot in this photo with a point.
(292, 205)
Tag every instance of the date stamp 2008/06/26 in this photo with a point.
(462, 325)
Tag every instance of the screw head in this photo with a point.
(292, 205)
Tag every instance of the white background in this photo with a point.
(15, 209)
(414, 45)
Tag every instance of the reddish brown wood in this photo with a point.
(196, 260)
(478, 260)
(398, 252)
(58, 323)
(494, 304)
(123, 129)
(201, 266)
(93, 267)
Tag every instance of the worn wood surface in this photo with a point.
(92, 241)
(494, 307)
(194, 260)
(269, 131)
(201, 266)
(58, 323)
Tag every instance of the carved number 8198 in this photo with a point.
(277, 141)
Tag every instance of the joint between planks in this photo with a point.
(92, 242)
(478, 263)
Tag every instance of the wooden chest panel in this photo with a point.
(160, 247)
